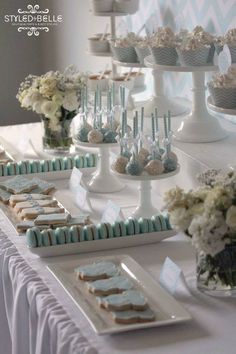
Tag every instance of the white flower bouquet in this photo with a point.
(56, 97)
(208, 216)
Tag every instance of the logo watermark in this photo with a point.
(33, 20)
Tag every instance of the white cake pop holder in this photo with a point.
(145, 207)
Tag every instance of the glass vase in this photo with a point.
(56, 139)
(216, 276)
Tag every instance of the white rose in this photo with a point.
(49, 109)
(70, 102)
(180, 219)
(231, 217)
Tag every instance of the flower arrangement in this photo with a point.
(208, 216)
(56, 97)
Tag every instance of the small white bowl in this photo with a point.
(102, 5)
(126, 6)
(94, 82)
(96, 45)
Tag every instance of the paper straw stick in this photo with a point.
(123, 97)
(103, 72)
(125, 121)
(128, 75)
(113, 94)
(165, 126)
(153, 127)
(169, 121)
(86, 97)
(82, 99)
(104, 33)
(134, 128)
(95, 102)
(136, 123)
(156, 119)
(142, 118)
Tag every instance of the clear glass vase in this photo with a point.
(216, 276)
(56, 140)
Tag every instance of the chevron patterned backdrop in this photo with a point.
(217, 16)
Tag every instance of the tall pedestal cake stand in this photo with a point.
(199, 126)
(145, 207)
(103, 181)
(159, 99)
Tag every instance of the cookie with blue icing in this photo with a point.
(114, 285)
(18, 185)
(35, 203)
(51, 219)
(97, 271)
(42, 187)
(131, 316)
(5, 196)
(128, 300)
(17, 198)
(32, 213)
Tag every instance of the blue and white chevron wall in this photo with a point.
(217, 16)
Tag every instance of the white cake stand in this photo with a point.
(159, 99)
(102, 181)
(199, 126)
(229, 111)
(145, 207)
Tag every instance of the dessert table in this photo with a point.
(37, 316)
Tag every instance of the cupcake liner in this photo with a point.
(223, 97)
(102, 5)
(125, 54)
(142, 53)
(126, 6)
(195, 57)
(211, 54)
(164, 56)
(233, 53)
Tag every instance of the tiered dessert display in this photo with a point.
(194, 52)
(143, 159)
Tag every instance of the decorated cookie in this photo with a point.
(32, 213)
(13, 168)
(96, 271)
(120, 164)
(128, 300)
(4, 196)
(35, 203)
(48, 237)
(105, 230)
(154, 167)
(77, 234)
(91, 233)
(131, 316)
(26, 197)
(24, 226)
(18, 185)
(42, 187)
(63, 235)
(25, 167)
(95, 137)
(119, 229)
(114, 285)
(52, 219)
(34, 237)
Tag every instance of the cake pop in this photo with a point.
(170, 165)
(95, 136)
(120, 164)
(134, 167)
(154, 167)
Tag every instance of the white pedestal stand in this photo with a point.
(159, 100)
(102, 181)
(145, 207)
(199, 126)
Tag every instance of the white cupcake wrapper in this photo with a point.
(233, 53)
(164, 56)
(223, 97)
(211, 54)
(125, 54)
(142, 53)
(195, 57)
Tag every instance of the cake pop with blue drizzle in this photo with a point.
(134, 167)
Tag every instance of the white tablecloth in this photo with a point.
(36, 312)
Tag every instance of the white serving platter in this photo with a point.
(101, 245)
(166, 309)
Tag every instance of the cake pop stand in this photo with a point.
(145, 207)
(102, 181)
(199, 126)
(229, 111)
(159, 99)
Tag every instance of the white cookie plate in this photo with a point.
(166, 309)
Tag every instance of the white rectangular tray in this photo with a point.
(101, 245)
(167, 310)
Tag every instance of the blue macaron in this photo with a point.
(63, 235)
(58, 164)
(77, 233)
(143, 225)
(35, 166)
(159, 223)
(85, 162)
(90, 159)
(13, 168)
(105, 230)
(33, 237)
(24, 167)
(3, 170)
(79, 161)
(119, 229)
(69, 162)
(91, 233)
(48, 237)
(135, 225)
(46, 165)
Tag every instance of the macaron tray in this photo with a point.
(92, 295)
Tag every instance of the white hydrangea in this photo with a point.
(180, 219)
(70, 101)
(231, 217)
(49, 109)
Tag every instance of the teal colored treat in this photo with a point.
(127, 154)
(83, 134)
(156, 223)
(48, 237)
(167, 220)
(91, 233)
(162, 151)
(85, 162)
(134, 168)
(33, 237)
(109, 230)
(105, 230)
(163, 222)
(90, 159)
(77, 233)
(129, 227)
(170, 165)
(3, 170)
(24, 167)
(136, 225)
(46, 165)
(119, 229)
(79, 161)
(58, 164)
(150, 225)
(13, 168)
(143, 225)
(35, 166)
(110, 137)
(155, 156)
(69, 163)
(62, 235)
